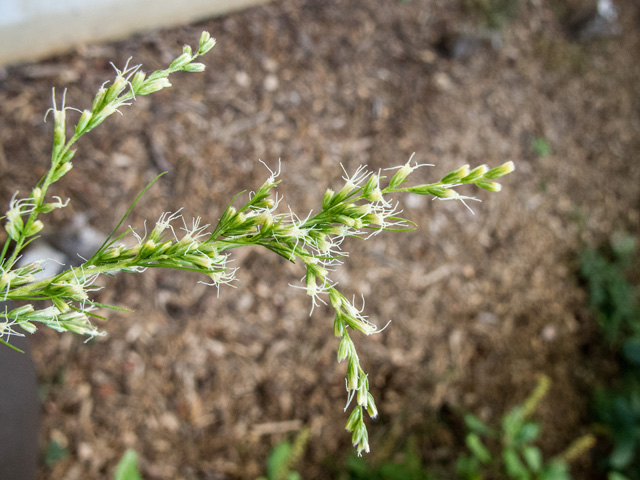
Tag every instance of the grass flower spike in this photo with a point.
(361, 207)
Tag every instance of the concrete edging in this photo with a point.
(34, 29)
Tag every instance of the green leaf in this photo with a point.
(127, 468)
(512, 422)
(4, 342)
(623, 451)
(533, 457)
(515, 468)
(55, 453)
(106, 242)
(541, 147)
(477, 448)
(527, 432)
(468, 468)
(556, 471)
(631, 350)
(476, 425)
(277, 463)
(616, 476)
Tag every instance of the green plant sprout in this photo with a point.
(127, 468)
(614, 301)
(284, 456)
(360, 208)
(519, 458)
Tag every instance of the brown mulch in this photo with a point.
(204, 385)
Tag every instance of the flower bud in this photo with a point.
(456, 175)
(83, 122)
(360, 438)
(206, 43)
(361, 396)
(335, 298)
(137, 81)
(194, 67)
(61, 171)
(372, 184)
(401, 175)
(475, 174)
(98, 101)
(187, 49)
(345, 220)
(68, 155)
(20, 311)
(76, 322)
(326, 200)
(36, 194)
(371, 406)
(358, 323)
(204, 37)
(115, 89)
(442, 192)
(60, 304)
(487, 185)
(352, 373)
(355, 418)
(111, 253)
(503, 169)
(14, 225)
(181, 61)
(374, 195)
(373, 219)
(27, 326)
(199, 261)
(153, 85)
(345, 348)
(338, 326)
(34, 228)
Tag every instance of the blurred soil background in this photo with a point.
(203, 384)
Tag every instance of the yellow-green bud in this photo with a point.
(503, 169)
(98, 101)
(401, 175)
(181, 61)
(338, 326)
(194, 67)
(456, 175)
(27, 326)
(345, 348)
(206, 43)
(112, 252)
(371, 406)
(14, 224)
(59, 134)
(487, 185)
(60, 171)
(68, 155)
(326, 200)
(137, 81)
(335, 298)
(36, 194)
(153, 85)
(60, 304)
(83, 121)
(34, 228)
(115, 89)
(20, 311)
(355, 418)
(352, 373)
(475, 174)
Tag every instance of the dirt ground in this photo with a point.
(204, 385)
